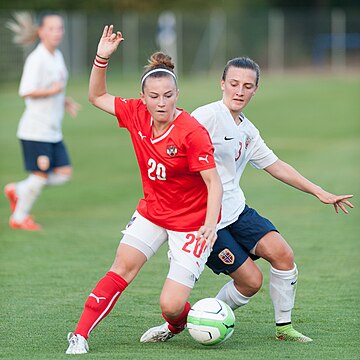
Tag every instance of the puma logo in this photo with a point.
(141, 135)
(204, 158)
(97, 298)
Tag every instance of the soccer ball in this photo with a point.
(210, 321)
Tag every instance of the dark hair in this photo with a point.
(158, 60)
(243, 63)
(44, 14)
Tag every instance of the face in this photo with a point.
(238, 89)
(160, 96)
(51, 32)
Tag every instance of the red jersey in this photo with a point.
(175, 195)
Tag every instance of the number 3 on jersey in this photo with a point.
(156, 171)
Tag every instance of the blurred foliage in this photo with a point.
(151, 5)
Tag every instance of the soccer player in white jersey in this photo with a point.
(244, 234)
(42, 85)
(182, 193)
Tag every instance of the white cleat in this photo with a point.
(157, 334)
(77, 344)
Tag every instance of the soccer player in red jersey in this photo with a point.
(182, 193)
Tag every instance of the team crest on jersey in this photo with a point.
(247, 142)
(171, 150)
(227, 257)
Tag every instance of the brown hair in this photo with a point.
(243, 63)
(158, 60)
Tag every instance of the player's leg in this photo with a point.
(141, 240)
(173, 304)
(23, 194)
(61, 171)
(187, 261)
(104, 296)
(230, 258)
(283, 281)
(37, 159)
(246, 282)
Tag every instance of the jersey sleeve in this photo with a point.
(124, 111)
(30, 77)
(200, 150)
(262, 155)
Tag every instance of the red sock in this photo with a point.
(100, 302)
(177, 325)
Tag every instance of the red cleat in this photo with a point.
(27, 224)
(10, 193)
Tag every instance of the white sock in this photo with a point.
(282, 293)
(27, 191)
(231, 296)
(55, 179)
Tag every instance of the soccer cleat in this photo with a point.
(288, 333)
(27, 224)
(77, 344)
(10, 193)
(157, 334)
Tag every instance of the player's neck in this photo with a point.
(49, 48)
(159, 127)
(236, 116)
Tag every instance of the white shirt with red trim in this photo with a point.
(42, 118)
(235, 146)
(175, 195)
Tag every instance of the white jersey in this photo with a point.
(235, 146)
(42, 118)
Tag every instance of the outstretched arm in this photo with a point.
(98, 95)
(287, 174)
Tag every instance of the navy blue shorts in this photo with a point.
(44, 156)
(235, 241)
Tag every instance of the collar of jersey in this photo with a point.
(163, 136)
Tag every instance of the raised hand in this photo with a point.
(109, 42)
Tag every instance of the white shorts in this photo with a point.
(187, 259)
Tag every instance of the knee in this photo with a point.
(170, 308)
(277, 251)
(255, 282)
(285, 258)
(250, 284)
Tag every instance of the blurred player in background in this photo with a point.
(244, 235)
(42, 85)
(182, 193)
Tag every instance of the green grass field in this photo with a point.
(312, 122)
